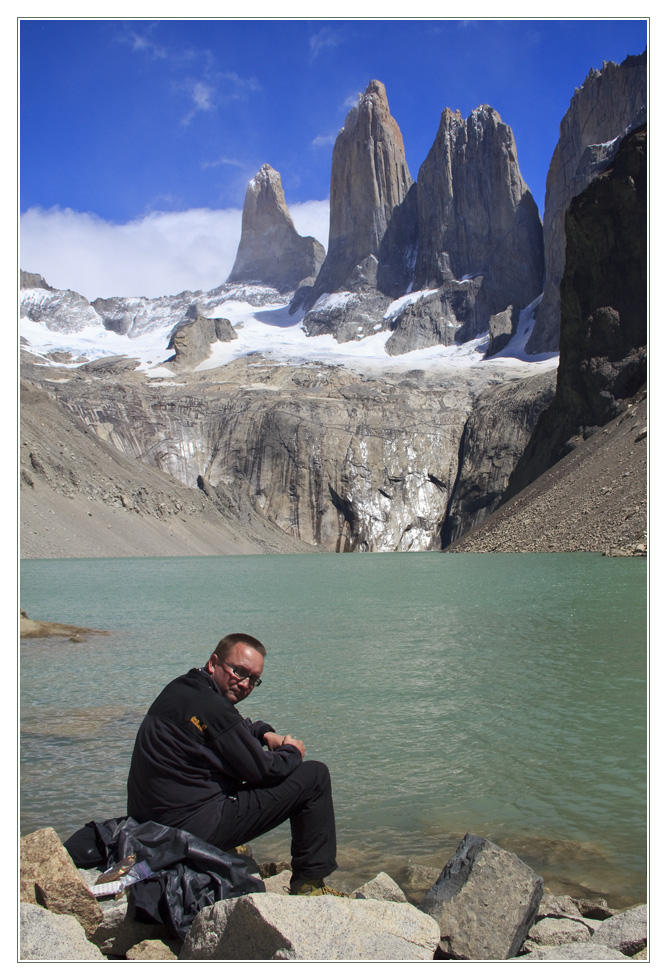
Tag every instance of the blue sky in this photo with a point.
(130, 127)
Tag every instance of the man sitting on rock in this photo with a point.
(200, 766)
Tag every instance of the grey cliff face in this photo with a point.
(271, 251)
(477, 220)
(369, 179)
(604, 312)
(608, 105)
(469, 228)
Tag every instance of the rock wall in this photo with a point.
(494, 437)
(610, 103)
(271, 251)
(329, 458)
(603, 311)
(477, 218)
(369, 179)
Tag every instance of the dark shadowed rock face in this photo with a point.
(477, 217)
(608, 105)
(603, 311)
(494, 437)
(369, 179)
(271, 251)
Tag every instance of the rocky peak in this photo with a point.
(478, 233)
(271, 251)
(369, 179)
(610, 103)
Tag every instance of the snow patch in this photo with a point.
(403, 302)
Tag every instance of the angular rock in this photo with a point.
(430, 316)
(484, 902)
(416, 880)
(594, 908)
(191, 339)
(150, 949)
(269, 927)
(559, 905)
(574, 951)
(610, 103)
(119, 930)
(279, 884)
(271, 251)
(49, 878)
(552, 931)
(45, 935)
(494, 438)
(382, 888)
(627, 931)
(369, 179)
(603, 311)
(477, 218)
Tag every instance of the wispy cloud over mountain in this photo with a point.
(328, 37)
(158, 254)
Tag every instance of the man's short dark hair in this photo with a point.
(229, 641)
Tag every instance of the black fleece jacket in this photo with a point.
(192, 750)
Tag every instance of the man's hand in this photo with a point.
(288, 740)
(274, 741)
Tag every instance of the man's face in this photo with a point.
(246, 659)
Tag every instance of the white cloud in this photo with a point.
(160, 254)
(312, 218)
(156, 255)
(325, 140)
(326, 38)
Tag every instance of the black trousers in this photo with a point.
(305, 799)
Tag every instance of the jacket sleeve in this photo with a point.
(244, 759)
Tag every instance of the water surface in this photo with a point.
(503, 695)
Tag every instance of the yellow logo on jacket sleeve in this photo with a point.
(198, 724)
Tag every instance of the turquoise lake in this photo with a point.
(503, 695)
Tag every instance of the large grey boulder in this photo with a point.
(484, 901)
(575, 952)
(271, 251)
(191, 339)
(626, 932)
(49, 878)
(46, 935)
(610, 103)
(552, 931)
(381, 888)
(270, 927)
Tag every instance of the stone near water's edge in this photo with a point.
(382, 888)
(45, 935)
(150, 949)
(119, 931)
(558, 932)
(270, 927)
(484, 901)
(575, 951)
(49, 878)
(627, 931)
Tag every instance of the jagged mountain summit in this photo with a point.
(369, 179)
(271, 251)
(462, 246)
(610, 103)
